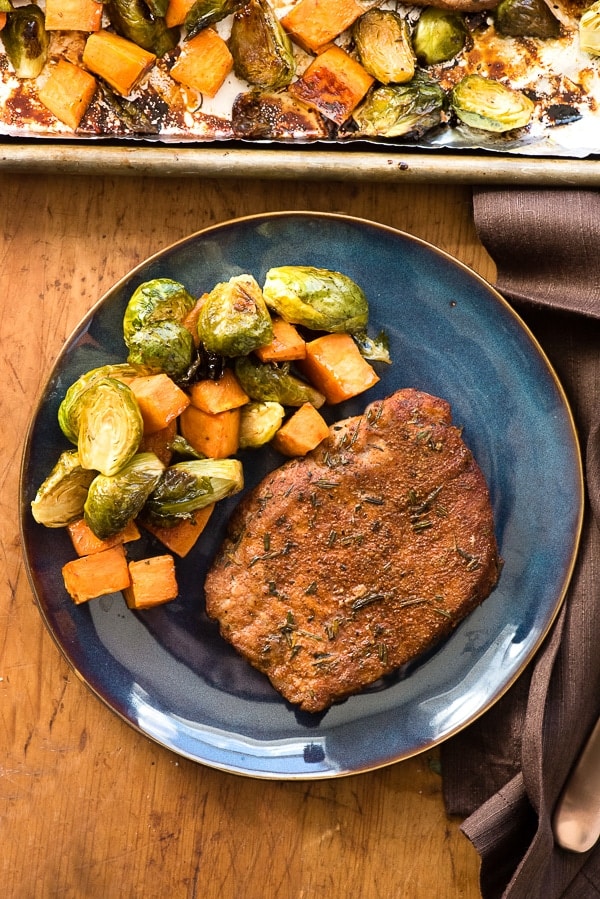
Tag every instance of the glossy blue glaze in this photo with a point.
(168, 672)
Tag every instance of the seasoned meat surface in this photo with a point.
(348, 563)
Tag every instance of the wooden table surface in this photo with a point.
(88, 806)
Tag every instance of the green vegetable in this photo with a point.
(259, 423)
(61, 497)
(161, 299)
(234, 319)
(317, 298)
(110, 426)
(133, 20)
(375, 349)
(487, 104)
(70, 407)
(157, 7)
(115, 500)
(383, 41)
(589, 30)
(262, 52)
(401, 110)
(162, 347)
(265, 382)
(526, 18)
(208, 12)
(26, 40)
(188, 486)
(438, 36)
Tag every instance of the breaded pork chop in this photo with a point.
(344, 565)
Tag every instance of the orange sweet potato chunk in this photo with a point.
(218, 396)
(204, 63)
(215, 435)
(86, 543)
(73, 15)
(153, 582)
(182, 537)
(334, 365)
(333, 84)
(302, 432)
(287, 344)
(160, 400)
(68, 92)
(312, 24)
(97, 574)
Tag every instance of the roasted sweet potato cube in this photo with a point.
(287, 344)
(182, 537)
(218, 396)
(215, 435)
(334, 84)
(68, 92)
(96, 575)
(313, 24)
(85, 542)
(302, 432)
(160, 400)
(153, 582)
(204, 63)
(335, 366)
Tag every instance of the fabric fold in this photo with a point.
(506, 771)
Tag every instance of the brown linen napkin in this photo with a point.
(506, 771)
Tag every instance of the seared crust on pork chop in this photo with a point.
(350, 562)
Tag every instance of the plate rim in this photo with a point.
(84, 323)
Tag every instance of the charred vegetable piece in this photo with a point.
(489, 105)
(70, 407)
(26, 40)
(589, 30)
(164, 346)
(438, 36)
(383, 41)
(526, 18)
(188, 486)
(256, 115)
(317, 298)
(115, 500)
(401, 110)
(133, 20)
(375, 349)
(234, 319)
(262, 52)
(209, 12)
(158, 300)
(259, 423)
(61, 497)
(110, 426)
(265, 382)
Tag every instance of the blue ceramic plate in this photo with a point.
(168, 673)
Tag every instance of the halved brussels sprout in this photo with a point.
(133, 19)
(61, 497)
(589, 30)
(115, 500)
(259, 423)
(383, 41)
(265, 382)
(401, 110)
(234, 319)
(439, 35)
(526, 18)
(489, 105)
(70, 407)
(188, 486)
(208, 12)
(179, 446)
(262, 52)
(110, 426)
(26, 40)
(160, 299)
(162, 347)
(317, 298)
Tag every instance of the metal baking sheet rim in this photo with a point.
(308, 164)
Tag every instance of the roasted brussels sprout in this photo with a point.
(589, 30)
(526, 18)
(70, 407)
(162, 347)
(6, 6)
(383, 41)
(114, 500)
(157, 7)
(489, 105)
(401, 110)
(234, 319)
(110, 426)
(259, 423)
(438, 36)
(256, 115)
(375, 349)
(132, 19)
(262, 52)
(161, 299)
(26, 40)
(188, 486)
(208, 12)
(60, 499)
(264, 382)
(179, 446)
(317, 298)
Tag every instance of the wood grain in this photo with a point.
(88, 806)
